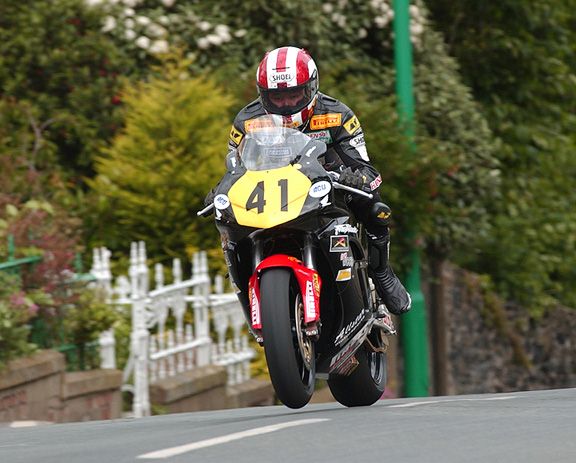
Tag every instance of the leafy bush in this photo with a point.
(16, 310)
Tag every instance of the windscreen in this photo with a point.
(270, 145)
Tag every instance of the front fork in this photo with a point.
(306, 275)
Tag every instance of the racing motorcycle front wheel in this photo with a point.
(290, 354)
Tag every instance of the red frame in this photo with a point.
(308, 280)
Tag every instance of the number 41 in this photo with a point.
(256, 199)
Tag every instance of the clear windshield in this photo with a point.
(270, 145)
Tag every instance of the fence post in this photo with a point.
(139, 336)
(201, 302)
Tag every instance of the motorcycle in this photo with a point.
(299, 261)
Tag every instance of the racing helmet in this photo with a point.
(287, 82)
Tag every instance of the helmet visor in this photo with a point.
(286, 101)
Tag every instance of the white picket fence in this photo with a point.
(172, 323)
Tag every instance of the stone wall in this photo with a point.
(205, 389)
(38, 388)
(493, 346)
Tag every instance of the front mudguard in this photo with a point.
(308, 280)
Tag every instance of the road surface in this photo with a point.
(523, 427)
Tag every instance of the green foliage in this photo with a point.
(16, 309)
(155, 175)
(444, 187)
(85, 317)
(55, 63)
(519, 58)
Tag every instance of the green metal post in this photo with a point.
(413, 329)
(11, 248)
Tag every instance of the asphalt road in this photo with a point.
(522, 427)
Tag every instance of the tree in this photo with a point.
(154, 177)
(519, 58)
(56, 63)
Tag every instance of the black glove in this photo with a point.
(353, 179)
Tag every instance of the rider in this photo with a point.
(287, 82)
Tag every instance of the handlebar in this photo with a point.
(206, 211)
(339, 186)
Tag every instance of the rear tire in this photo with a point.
(367, 382)
(290, 356)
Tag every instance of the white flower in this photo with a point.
(381, 21)
(214, 39)
(416, 29)
(131, 3)
(362, 33)
(155, 30)
(414, 11)
(168, 3)
(204, 25)
(159, 46)
(221, 29)
(164, 20)
(129, 12)
(130, 34)
(223, 32)
(203, 43)
(240, 33)
(109, 24)
(143, 42)
(129, 23)
(327, 8)
(143, 20)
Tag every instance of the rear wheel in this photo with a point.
(289, 353)
(367, 382)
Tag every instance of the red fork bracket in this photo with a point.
(308, 280)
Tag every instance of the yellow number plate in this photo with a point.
(266, 198)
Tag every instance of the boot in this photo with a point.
(388, 286)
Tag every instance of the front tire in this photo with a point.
(367, 382)
(289, 354)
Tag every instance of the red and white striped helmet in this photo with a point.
(287, 81)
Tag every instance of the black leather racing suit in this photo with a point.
(335, 124)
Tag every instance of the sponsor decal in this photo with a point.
(322, 135)
(344, 275)
(357, 141)
(349, 328)
(363, 153)
(320, 189)
(383, 215)
(339, 243)
(310, 301)
(324, 121)
(345, 228)
(348, 262)
(316, 282)
(235, 135)
(352, 125)
(376, 183)
(254, 308)
(285, 77)
(258, 123)
(221, 201)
